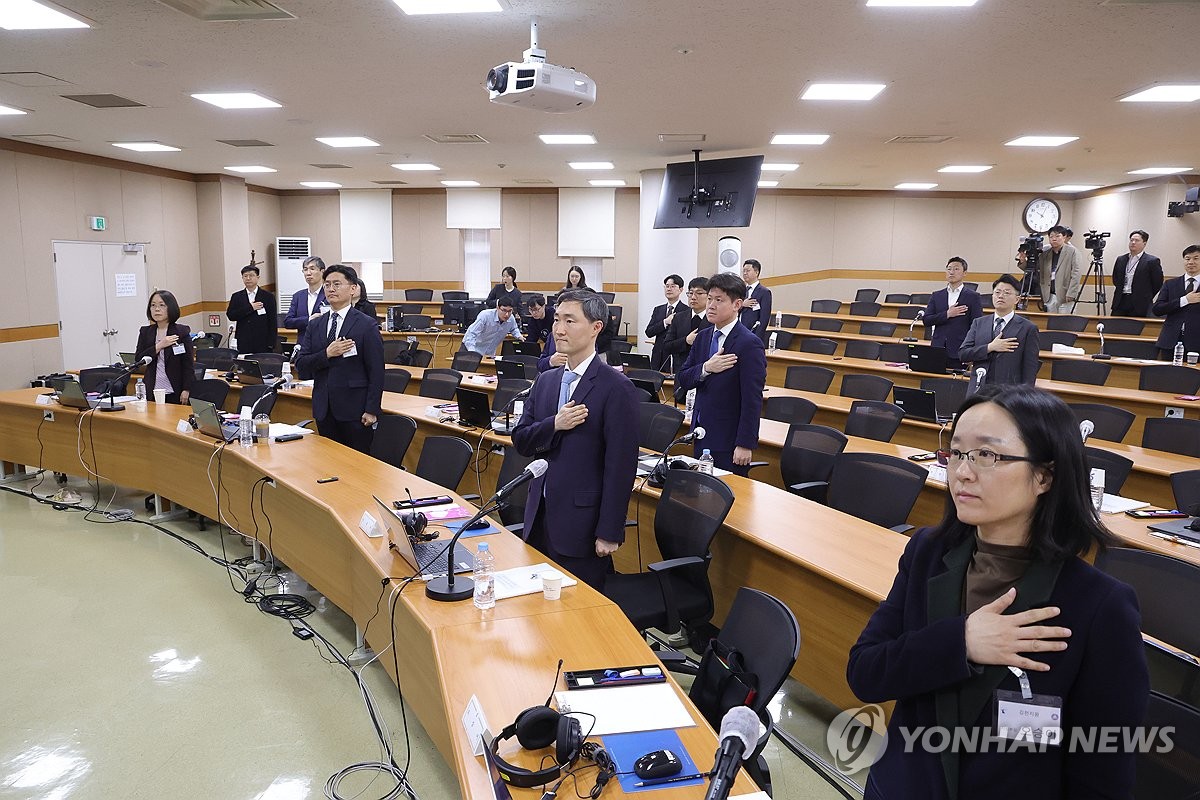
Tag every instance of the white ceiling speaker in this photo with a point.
(729, 255)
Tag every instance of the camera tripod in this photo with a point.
(1097, 267)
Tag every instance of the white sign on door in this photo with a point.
(126, 284)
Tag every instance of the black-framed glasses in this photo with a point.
(981, 457)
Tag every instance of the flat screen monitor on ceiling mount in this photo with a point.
(718, 193)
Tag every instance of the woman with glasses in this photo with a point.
(170, 345)
(997, 630)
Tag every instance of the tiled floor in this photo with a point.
(132, 669)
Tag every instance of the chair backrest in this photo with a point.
(1169, 772)
(199, 370)
(866, 295)
(422, 358)
(440, 384)
(857, 348)
(808, 454)
(607, 297)
(1124, 326)
(202, 343)
(1116, 467)
(808, 378)
(877, 328)
(790, 320)
(466, 361)
(1180, 436)
(909, 312)
(392, 438)
(826, 306)
(865, 308)
(865, 387)
(95, 379)
(985, 300)
(1066, 322)
(897, 297)
(1047, 339)
(455, 294)
(1161, 582)
(260, 397)
(920, 299)
(690, 511)
(513, 463)
(411, 308)
(268, 363)
(892, 486)
(825, 347)
(443, 461)
(974, 287)
(834, 325)
(217, 357)
(419, 295)
(1131, 348)
(658, 425)
(652, 376)
(506, 390)
(948, 394)
(792, 410)
(1169, 378)
(1111, 423)
(1185, 486)
(214, 390)
(1093, 373)
(396, 380)
(783, 339)
(392, 348)
(893, 352)
(415, 322)
(873, 419)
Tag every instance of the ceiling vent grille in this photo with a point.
(456, 138)
(228, 10)
(681, 137)
(330, 166)
(42, 138)
(838, 185)
(533, 181)
(919, 139)
(245, 142)
(391, 183)
(104, 100)
(32, 80)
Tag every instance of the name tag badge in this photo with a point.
(178, 349)
(353, 351)
(1036, 718)
(262, 312)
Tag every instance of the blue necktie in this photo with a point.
(564, 389)
(716, 343)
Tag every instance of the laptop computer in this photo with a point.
(71, 395)
(127, 358)
(917, 403)
(473, 408)
(511, 347)
(247, 372)
(927, 358)
(211, 423)
(648, 386)
(635, 360)
(428, 559)
(510, 369)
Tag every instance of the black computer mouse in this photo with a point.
(657, 764)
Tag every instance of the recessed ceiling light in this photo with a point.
(321, 184)
(147, 147)
(229, 100)
(590, 164)
(767, 184)
(1160, 171)
(1166, 93)
(922, 3)
(780, 167)
(417, 167)
(460, 183)
(1074, 187)
(9, 110)
(413, 7)
(842, 91)
(966, 168)
(800, 138)
(347, 141)
(1040, 141)
(27, 15)
(607, 182)
(916, 186)
(567, 138)
(252, 168)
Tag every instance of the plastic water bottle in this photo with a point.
(778, 319)
(1178, 360)
(485, 581)
(246, 428)
(287, 375)
(139, 390)
(771, 342)
(706, 463)
(1097, 485)
(689, 403)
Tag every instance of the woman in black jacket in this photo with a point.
(170, 345)
(506, 288)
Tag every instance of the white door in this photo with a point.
(101, 301)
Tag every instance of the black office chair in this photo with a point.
(897, 298)
(440, 384)
(411, 308)
(260, 397)
(1093, 373)
(651, 376)
(825, 306)
(212, 390)
(392, 348)
(455, 295)
(103, 379)
(783, 339)
(893, 352)
(948, 394)
(607, 297)
(1180, 436)
(1047, 339)
(506, 390)
(856, 348)
(615, 348)
(790, 320)
(885, 329)
(1123, 326)
(873, 419)
(221, 358)
(422, 358)
(444, 461)
(675, 591)
(1160, 582)
(825, 347)
(658, 425)
(466, 361)
(512, 513)
(866, 387)
(1111, 423)
(909, 312)
(215, 338)
(792, 410)
(1066, 322)
(199, 371)
(974, 287)
(415, 322)
(834, 325)
(392, 437)
(876, 487)
(866, 296)
(807, 457)
(921, 299)
(1116, 467)
(418, 295)
(202, 343)
(1169, 378)
(269, 364)
(396, 380)
(1131, 348)
(1172, 773)
(865, 308)
(1185, 487)
(808, 378)
(985, 300)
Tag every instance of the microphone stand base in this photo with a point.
(1102, 356)
(910, 339)
(117, 407)
(439, 589)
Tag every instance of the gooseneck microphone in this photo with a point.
(910, 337)
(125, 373)
(445, 589)
(658, 475)
(980, 376)
(1100, 330)
(1085, 429)
(739, 735)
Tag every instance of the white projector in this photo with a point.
(540, 86)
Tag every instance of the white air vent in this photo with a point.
(228, 10)
(290, 252)
(42, 138)
(919, 139)
(456, 138)
(838, 185)
(534, 181)
(32, 80)
(681, 137)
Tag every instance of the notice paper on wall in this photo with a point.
(126, 284)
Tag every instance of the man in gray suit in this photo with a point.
(1061, 271)
(1003, 344)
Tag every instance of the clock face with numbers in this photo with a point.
(1041, 214)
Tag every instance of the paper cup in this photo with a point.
(552, 584)
(1192, 358)
(160, 395)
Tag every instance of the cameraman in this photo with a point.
(1061, 270)
(1138, 277)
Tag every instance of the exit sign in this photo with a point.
(97, 223)
(214, 320)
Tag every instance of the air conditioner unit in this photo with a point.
(290, 252)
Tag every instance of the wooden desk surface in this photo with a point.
(1040, 318)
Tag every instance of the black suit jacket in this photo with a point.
(346, 387)
(256, 333)
(950, 331)
(297, 316)
(758, 321)
(1147, 281)
(1181, 324)
(656, 330)
(728, 404)
(913, 651)
(1019, 366)
(180, 370)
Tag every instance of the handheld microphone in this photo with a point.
(1085, 429)
(910, 337)
(739, 735)
(125, 373)
(658, 475)
(1100, 330)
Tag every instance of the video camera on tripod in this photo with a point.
(1030, 248)
(1095, 242)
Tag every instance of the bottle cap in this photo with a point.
(245, 412)
(483, 546)
(706, 453)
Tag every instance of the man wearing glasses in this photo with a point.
(1002, 344)
(342, 352)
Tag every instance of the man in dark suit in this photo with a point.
(1179, 302)
(727, 367)
(254, 310)
(952, 310)
(342, 352)
(661, 318)
(686, 326)
(1137, 276)
(1002, 343)
(578, 419)
(307, 303)
(756, 311)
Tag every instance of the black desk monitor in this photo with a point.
(510, 369)
(473, 408)
(917, 403)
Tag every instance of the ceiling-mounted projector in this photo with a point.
(535, 84)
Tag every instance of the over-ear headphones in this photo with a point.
(536, 728)
(414, 525)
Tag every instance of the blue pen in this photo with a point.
(675, 779)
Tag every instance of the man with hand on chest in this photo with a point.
(254, 310)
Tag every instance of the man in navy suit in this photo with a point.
(756, 310)
(1179, 302)
(342, 351)
(661, 318)
(578, 419)
(1003, 344)
(952, 310)
(727, 367)
(307, 303)
(254, 310)
(686, 327)
(1137, 276)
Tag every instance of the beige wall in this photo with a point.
(266, 222)
(1141, 209)
(318, 218)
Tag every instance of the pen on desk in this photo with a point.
(675, 779)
